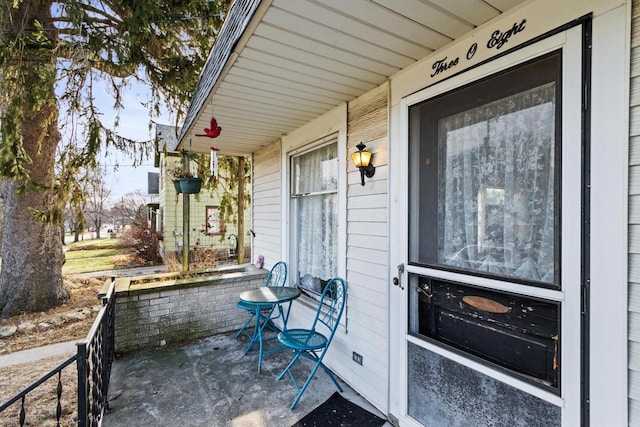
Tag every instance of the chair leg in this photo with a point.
(330, 374)
(288, 370)
(254, 337)
(267, 322)
(317, 363)
(306, 384)
(242, 329)
(273, 327)
(252, 315)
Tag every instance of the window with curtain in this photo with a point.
(485, 197)
(214, 226)
(314, 204)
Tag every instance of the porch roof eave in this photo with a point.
(278, 64)
(222, 56)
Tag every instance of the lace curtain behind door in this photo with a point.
(497, 187)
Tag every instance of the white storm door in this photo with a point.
(486, 207)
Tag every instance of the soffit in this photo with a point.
(293, 60)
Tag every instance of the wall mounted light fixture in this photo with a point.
(362, 160)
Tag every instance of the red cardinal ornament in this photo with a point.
(214, 131)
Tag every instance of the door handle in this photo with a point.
(397, 281)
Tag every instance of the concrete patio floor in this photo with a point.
(210, 383)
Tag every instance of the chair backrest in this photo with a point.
(331, 306)
(278, 274)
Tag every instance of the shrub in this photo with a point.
(143, 241)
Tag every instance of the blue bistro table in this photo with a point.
(265, 297)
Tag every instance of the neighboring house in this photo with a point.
(207, 231)
(153, 191)
(492, 258)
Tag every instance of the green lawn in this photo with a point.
(94, 253)
(103, 241)
(81, 258)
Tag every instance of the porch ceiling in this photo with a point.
(279, 64)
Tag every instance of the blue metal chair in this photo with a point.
(310, 343)
(277, 277)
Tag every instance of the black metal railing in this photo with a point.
(23, 394)
(94, 358)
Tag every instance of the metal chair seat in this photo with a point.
(302, 339)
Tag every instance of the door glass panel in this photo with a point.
(484, 199)
(485, 195)
(496, 187)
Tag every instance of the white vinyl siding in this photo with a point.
(634, 221)
(367, 248)
(267, 187)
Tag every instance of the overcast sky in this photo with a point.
(134, 124)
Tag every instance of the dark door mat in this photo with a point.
(338, 411)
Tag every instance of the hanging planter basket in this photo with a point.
(176, 184)
(190, 185)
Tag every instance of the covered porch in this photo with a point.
(285, 76)
(299, 85)
(209, 383)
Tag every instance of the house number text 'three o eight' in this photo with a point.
(497, 40)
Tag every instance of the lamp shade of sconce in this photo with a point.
(362, 160)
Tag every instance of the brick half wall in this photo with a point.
(159, 313)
